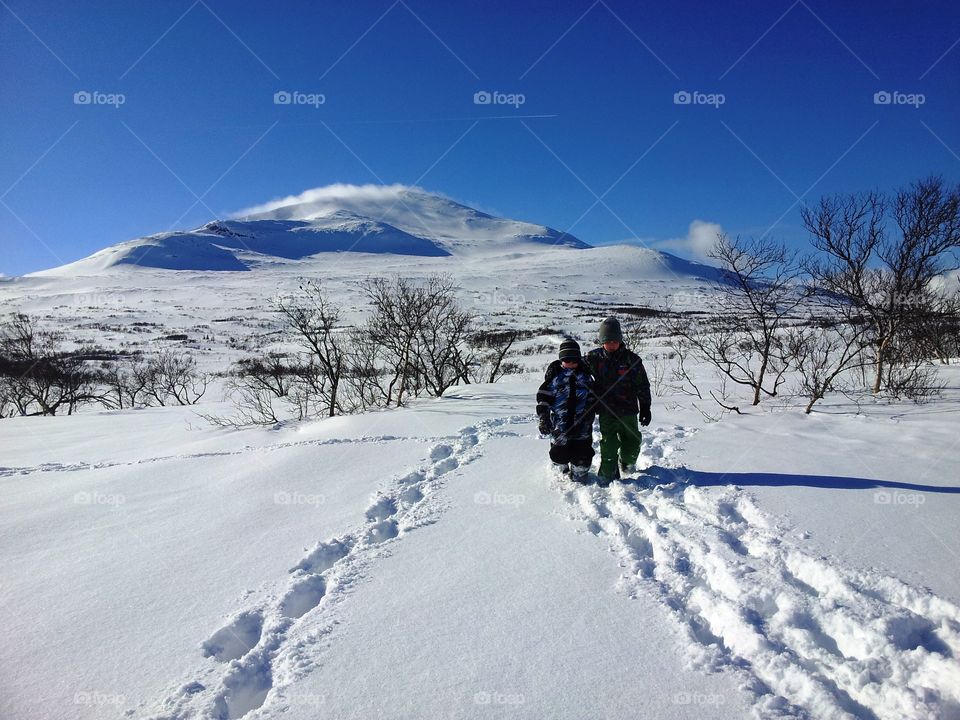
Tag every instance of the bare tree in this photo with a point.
(404, 320)
(682, 380)
(39, 377)
(484, 359)
(315, 322)
(171, 377)
(873, 276)
(125, 383)
(440, 342)
(936, 330)
(256, 384)
(8, 407)
(365, 371)
(760, 292)
(823, 354)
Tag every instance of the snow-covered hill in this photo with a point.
(375, 219)
(424, 562)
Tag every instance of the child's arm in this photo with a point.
(545, 398)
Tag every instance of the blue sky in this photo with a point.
(398, 79)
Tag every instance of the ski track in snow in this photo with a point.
(75, 466)
(808, 638)
(265, 648)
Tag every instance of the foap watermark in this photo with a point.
(496, 498)
(495, 97)
(684, 301)
(295, 97)
(113, 500)
(306, 700)
(885, 497)
(95, 697)
(298, 498)
(498, 299)
(697, 698)
(695, 97)
(487, 697)
(95, 97)
(96, 300)
(895, 97)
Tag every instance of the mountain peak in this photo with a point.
(396, 219)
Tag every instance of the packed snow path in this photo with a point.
(807, 635)
(251, 641)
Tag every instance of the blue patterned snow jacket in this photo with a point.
(566, 397)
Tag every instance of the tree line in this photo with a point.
(416, 340)
(862, 309)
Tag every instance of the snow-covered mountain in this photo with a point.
(379, 219)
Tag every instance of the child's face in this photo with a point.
(570, 364)
(611, 345)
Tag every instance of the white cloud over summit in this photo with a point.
(332, 193)
(699, 241)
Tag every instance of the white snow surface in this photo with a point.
(426, 562)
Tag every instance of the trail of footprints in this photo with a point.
(808, 638)
(249, 645)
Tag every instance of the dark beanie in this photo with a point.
(610, 330)
(569, 349)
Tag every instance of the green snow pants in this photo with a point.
(619, 443)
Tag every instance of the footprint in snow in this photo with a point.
(382, 531)
(303, 596)
(324, 556)
(439, 452)
(383, 508)
(236, 638)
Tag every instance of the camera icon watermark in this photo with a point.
(95, 97)
(499, 299)
(98, 498)
(97, 698)
(695, 97)
(306, 700)
(495, 97)
(97, 300)
(899, 499)
(895, 97)
(295, 97)
(486, 697)
(497, 498)
(298, 498)
(697, 698)
(685, 301)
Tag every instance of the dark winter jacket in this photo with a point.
(566, 398)
(620, 381)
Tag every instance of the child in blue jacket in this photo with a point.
(565, 406)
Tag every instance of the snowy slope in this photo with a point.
(425, 562)
(458, 228)
(559, 289)
(339, 218)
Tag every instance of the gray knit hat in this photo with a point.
(569, 349)
(610, 330)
